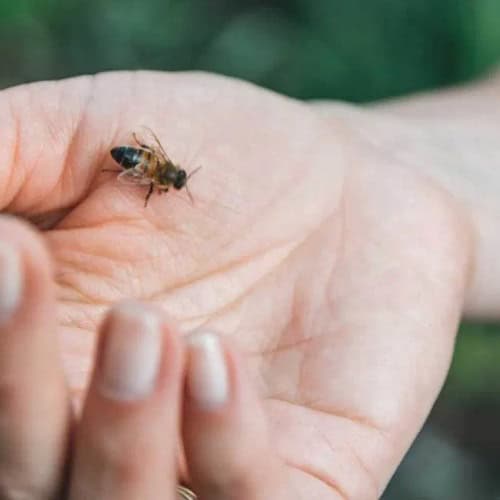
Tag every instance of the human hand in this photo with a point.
(125, 445)
(304, 246)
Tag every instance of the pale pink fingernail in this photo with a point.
(132, 353)
(10, 281)
(207, 376)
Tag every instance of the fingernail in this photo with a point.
(10, 281)
(207, 376)
(132, 353)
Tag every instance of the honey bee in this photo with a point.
(149, 165)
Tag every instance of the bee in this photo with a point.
(149, 165)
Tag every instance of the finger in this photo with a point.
(227, 445)
(56, 138)
(37, 135)
(127, 441)
(34, 403)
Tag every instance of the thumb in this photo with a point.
(50, 145)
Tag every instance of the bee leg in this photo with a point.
(150, 192)
(160, 191)
(111, 170)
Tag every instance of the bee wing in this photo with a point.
(149, 138)
(133, 176)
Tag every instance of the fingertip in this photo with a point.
(207, 372)
(140, 352)
(32, 377)
(25, 272)
(132, 405)
(11, 281)
(27, 239)
(224, 425)
(21, 233)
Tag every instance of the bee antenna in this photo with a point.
(187, 189)
(193, 172)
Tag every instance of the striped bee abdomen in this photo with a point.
(127, 156)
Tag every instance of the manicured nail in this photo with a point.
(207, 376)
(132, 353)
(10, 281)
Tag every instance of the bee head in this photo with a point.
(180, 179)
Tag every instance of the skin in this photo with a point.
(333, 248)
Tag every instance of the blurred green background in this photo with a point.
(356, 50)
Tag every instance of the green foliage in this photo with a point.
(344, 49)
(475, 372)
(482, 36)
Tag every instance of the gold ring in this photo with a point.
(185, 493)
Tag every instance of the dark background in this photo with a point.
(355, 50)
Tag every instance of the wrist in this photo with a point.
(456, 153)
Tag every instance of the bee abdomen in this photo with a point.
(126, 156)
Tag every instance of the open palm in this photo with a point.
(337, 273)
